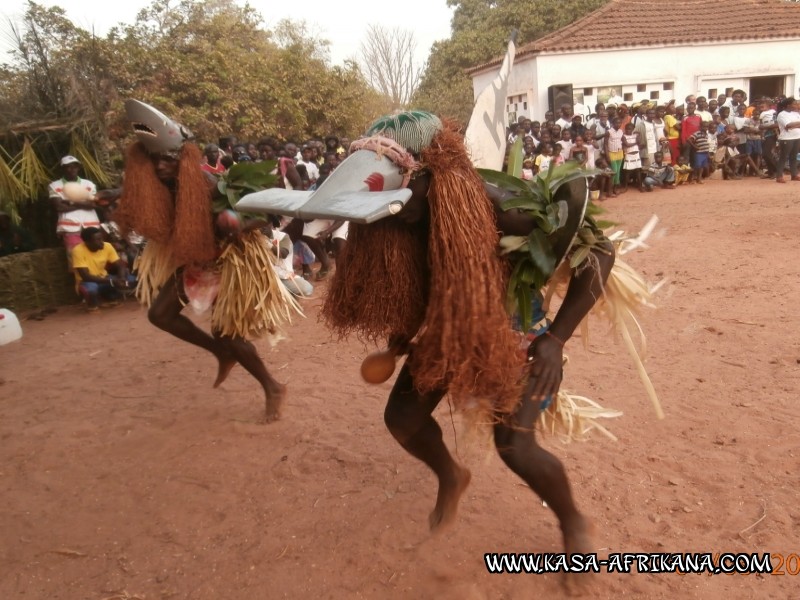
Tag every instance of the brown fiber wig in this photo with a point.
(147, 206)
(446, 292)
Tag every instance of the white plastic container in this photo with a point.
(10, 329)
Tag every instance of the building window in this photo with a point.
(628, 97)
(641, 87)
(653, 95)
(587, 91)
(712, 93)
(729, 92)
(668, 86)
(525, 106)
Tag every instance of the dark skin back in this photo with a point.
(408, 413)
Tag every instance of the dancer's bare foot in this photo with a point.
(226, 363)
(450, 491)
(275, 396)
(577, 540)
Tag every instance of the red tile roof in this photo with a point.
(641, 23)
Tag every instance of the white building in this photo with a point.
(657, 51)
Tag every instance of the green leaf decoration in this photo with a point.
(541, 252)
(563, 213)
(504, 181)
(515, 158)
(245, 178)
(605, 224)
(526, 202)
(532, 257)
(524, 305)
(579, 256)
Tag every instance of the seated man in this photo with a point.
(283, 248)
(659, 174)
(91, 260)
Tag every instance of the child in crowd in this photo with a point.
(713, 146)
(699, 143)
(754, 140)
(603, 181)
(735, 163)
(542, 162)
(579, 152)
(659, 174)
(566, 144)
(682, 170)
(528, 164)
(558, 156)
(632, 166)
(615, 152)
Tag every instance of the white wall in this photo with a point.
(689, 68)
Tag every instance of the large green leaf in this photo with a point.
(256, 176)
(524, 303)
(504, 181)
(515, 158)
(603, 225)
(541, 252)
(514, 283)
(560, 175)
(579, 256)
(527, 202)
(553, 215)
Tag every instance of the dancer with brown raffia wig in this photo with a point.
(167, 199)
(429, 279)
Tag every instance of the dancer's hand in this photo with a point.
(546, 366)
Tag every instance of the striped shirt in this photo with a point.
(699, 140)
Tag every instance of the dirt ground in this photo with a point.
(125, 475)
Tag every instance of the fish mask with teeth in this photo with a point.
(158, 133)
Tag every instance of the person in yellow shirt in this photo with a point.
(91, 261)
(672, 131)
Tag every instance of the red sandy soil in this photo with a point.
(125, 475)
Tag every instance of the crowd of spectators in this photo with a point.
(647, 146)
(102, 259)
(303, 167)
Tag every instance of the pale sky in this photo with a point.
(342, 23)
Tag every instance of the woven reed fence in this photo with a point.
(37, 279)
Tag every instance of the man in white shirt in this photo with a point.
(307, 160)
(73, 198)
(769, 131)
(738, 97)
(789, 137)
(702, 109)
(283, 248)
(597, 134)
(565, 120)
(615, 98)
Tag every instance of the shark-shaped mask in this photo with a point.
(158, 133)
(367, 186)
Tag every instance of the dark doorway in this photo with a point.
(766, 86)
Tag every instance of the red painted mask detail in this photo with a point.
(375, 182)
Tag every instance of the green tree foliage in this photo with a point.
(480, 30)
(210, 64)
